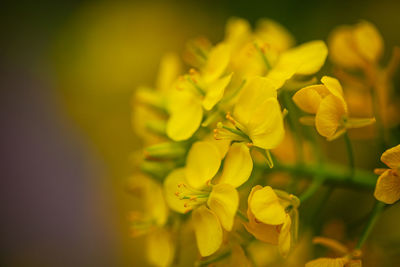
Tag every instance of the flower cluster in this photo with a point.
(213, 132)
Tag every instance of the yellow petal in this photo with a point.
(217, 62)
(215, 91)
(208, 231)
(342, 48)
(237, 32)
(329, 116)
(253, 94)
(265, 127)
(169, 71)
(237, 166)
(151, 193)
(387, 187)
(305, 59)
(327, 262)
(160, 248)
(391, 157)
(185, 118)
(263, 232)
(334, 87)
(285, 237)
(369, 41)
(274, 34)
(309, 98)
(310, 57)
(175, 178)
(265, 206)
(202, 164)
(224, 201)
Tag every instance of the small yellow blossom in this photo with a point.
(269, 220)
(387, 187)
(160, 248)
(213, 198)
(257, 117)
(326, 101)
(356, 46)
(197, 91)
(149, 104)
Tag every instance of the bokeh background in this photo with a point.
(67, 73)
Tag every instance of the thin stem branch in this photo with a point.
(350, 153)
(315, 185)
(242, 216)
(332, 173)
(378, 208)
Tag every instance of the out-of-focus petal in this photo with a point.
(342, 50)
(217, 62)
(215, 91)
(391, 157)
(224, 201)
(170, 68)
(160, 248)
(186, 115)
(369, 41)
(327, 262)
(387, 187)
(274, 34)
(266, 207)
(208, 231)
(202, 164)
(237, 166)
(237, 33)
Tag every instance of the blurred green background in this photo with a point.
(67, 73)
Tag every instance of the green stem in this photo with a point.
(242, 216)
(315, 185)
(350, 153)
(215, 259)
(378, 208)
(332, 173)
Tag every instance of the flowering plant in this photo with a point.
(216, 134)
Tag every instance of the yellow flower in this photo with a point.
(326, 101)
(197, 91)
(257, 118)
(149, 104)
(250, 49)
(160, 248)
(387, 187)
(348, 258)
(269, 220)
(355, 46)
(213, 199)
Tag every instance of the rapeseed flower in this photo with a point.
(151, 221)
(257, 117)
(326, 101)
(212, 198)
(387, 187)
(196, 92)
(269, 217)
